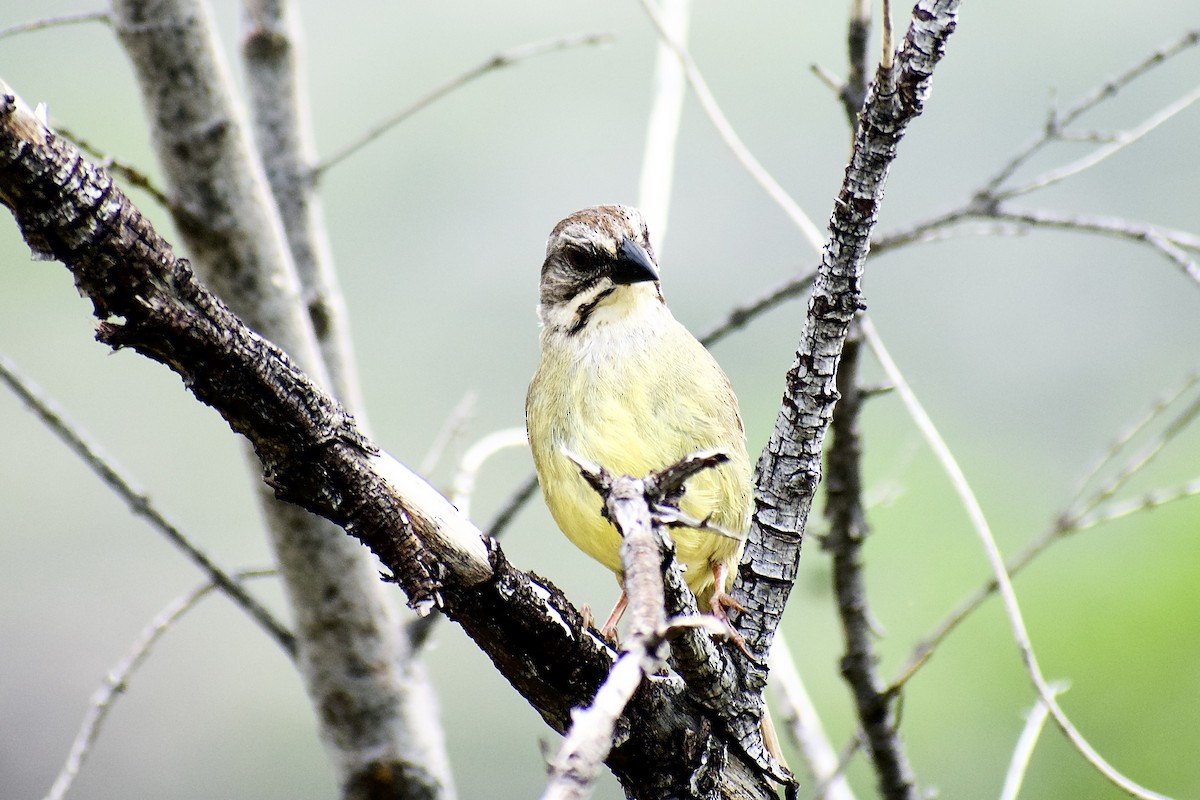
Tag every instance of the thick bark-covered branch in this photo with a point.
(314, 455)
(790, 466)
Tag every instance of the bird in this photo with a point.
(622, 384)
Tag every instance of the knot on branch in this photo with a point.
(660, 489)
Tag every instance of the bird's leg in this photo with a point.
(722, 600)
(609, 631)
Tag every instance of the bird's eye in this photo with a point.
(583, 260)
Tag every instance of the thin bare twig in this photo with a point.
(825, 76)
(1066, 523)
(812, 234)
(741, 315)
(986, 205)
(627, 502)
(1135, 464)
(996, 562)
(822, 790)
(1023, 752)
(805, 724)
(116, 682)
(1156, 499)
(472, 461)
(1169, 243)
(451, 429)
(1126, 436)
(984, 208)
(1058, 121)
(138, 501)
(1014, 566)
(54, 22)
(508, 512)
(1122, 140)
(498, 61)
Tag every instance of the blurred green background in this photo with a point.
(1030, 352)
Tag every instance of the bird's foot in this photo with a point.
(721, 601)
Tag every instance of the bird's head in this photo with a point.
(596, 257)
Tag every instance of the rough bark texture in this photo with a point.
(790, 466)
(848, 528)
(671, 744)
(314, 455)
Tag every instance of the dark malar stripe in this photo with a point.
(585, 312)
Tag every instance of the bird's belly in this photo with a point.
(624, 415)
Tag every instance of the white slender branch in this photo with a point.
(1169, 243)
(662, 128)
(1023, 752)
(1156, 410)
(451, 429)
(498, 61)
(1156, 499)
(1121, 141)
(812, 234)
(1136, 463)
(282, 124)
(980, 525)
(463, 486)
(1058, 121)
(116, 683)
(139, 502)
(805, 724)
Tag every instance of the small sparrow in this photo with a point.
(622, 384)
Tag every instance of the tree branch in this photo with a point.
(54, 22)
(506, 58)
(116, 682)
(140, 504)
(662, 127)
(1000, 573)
(314, 455)
(789, 468)
(284, 138)
(876, 707)
(645, 550)
(352, 655)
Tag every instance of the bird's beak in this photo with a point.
(633, 264)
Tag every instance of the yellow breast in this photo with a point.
(635, 393)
